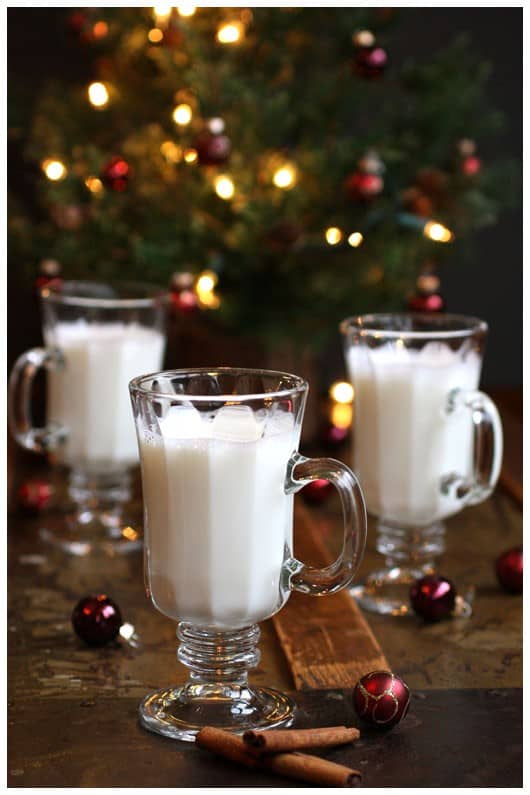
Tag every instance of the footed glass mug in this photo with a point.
(97, 337)
(426, 443)
(218, 452)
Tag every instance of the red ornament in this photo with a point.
(185, 301)
(116, 174)
(381, 699)
(509, 570)
(363, 187)
(317, 491)
(212, 150)
(333, 436)
(49, 271)
(433, 597)
(471, 166)
(35, 495)
(370, 62)
(96, 619)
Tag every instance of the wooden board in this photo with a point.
(326, 640)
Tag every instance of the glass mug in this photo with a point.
(219, 460)
(97, 337)
(426, 443)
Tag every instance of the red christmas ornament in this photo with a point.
(49, 271)
(363, 187)
(381, 699)
(317, 491)
(96, 619)
(433, 597)
(212, 149)
(370, 62)
(333, 436)
(183, 297)
(426, 298)
(35, 495)
(471, 166)
(509, 570)
(116, 174)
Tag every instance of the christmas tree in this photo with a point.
(276, 159)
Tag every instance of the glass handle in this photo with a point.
(315, 581)
(487, 447)
(40, 440)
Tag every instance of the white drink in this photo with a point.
(404, 443)
(89, 395)
(219, 524)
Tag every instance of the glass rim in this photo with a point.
(149, 294)
(469, 325)
(299, 384)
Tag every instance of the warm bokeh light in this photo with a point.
(224, 187)
(129, 533)
(206, 282)
(285, 176)
(162, 13)
(363, 38)
(171, 151)
(355, 239)
(98, 95)
(100, 29)
(437, 232)
(333, 235)
(182, 114)
(191, 156)
(94, 184)
(341, 415)
(186, 10)
(341, 392)
(54, 169)
(230, 33)
(155, 35)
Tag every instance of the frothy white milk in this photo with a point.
(404, 441)
(218, 521)
(90, 396)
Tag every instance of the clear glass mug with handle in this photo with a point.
(97, 337)
(426, 442)
(220, 467)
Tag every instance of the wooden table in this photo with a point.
(72, 709)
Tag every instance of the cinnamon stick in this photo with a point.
(303, 767)
(275, 740)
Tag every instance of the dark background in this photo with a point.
(490, 286)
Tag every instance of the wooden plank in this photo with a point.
(326, 640)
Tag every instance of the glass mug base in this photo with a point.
(387, 591)
(181, 712)
(92, 538)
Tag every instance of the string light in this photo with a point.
(100, 29)
(333, 235)
(54, 169)
(437, 232)
(171, 151)
(182, 114)
(224, 187)
(363, 38)
(162, 13)
(341, 392)
(341, 415)
(98, 95)
(186, 10)
(155, 35)
(230, 33)
(205, 287)
(285, 177)
(355, 239)
(94, 184)
(191, 156)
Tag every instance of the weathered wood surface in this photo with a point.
(456, 738)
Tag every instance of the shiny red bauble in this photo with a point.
(35, 495)
(361, 186)
(116, 174)
(96, 619)
(370, 62)
(212, 150)
(433, 597)
(381, 699)
(317, 491)
(471, 166)
(426, 303)
(509, 570)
